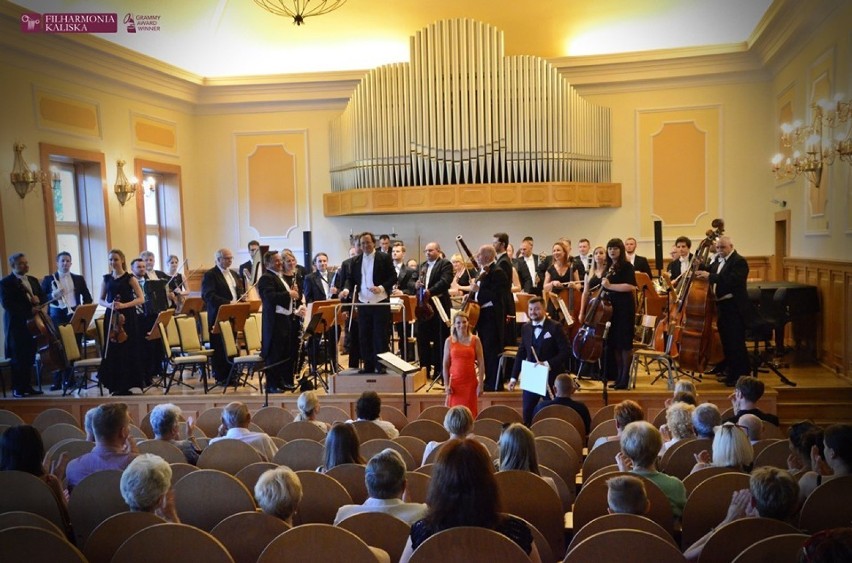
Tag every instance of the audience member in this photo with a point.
(828, 546)
(565, 385)
(803, 436)
(753, 427)
(369, 407)
(678, 425)
(341, 446)
(87, 424)
(682, 397)
(731, 448)
(458, 422)
(309, 407)
(744, 399)
(278, 493)
(385, 480)
(463, 492)
(517, 452)
(146, 487)
(165, 421)
(235, 426)
(114, 447)
(640, 444)
(837, 445)
(685, 386)
(625, 413)
(705, 418)
(627, 495)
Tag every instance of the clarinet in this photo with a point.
(300, 330)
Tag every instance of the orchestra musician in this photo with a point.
(640, 263)
(593, 280)
(527, 265)
(121, 294)
(501, 246)
(489, 292)
(69, 290)
(150, 273)
(436, 276)
(219, 286)
(405, 276)
(20, 295)
(460, 285)
(150, 351)
(277, 330)
(251, 270)
(562, 273)
(384, 243)
(176, 288)
(680, 265)
(584, 248)
(292, 278)
(621, 285)
(318, 284)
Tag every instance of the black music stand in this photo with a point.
(163, 319)
(156, 296)
(80, 321)
(312, 338)
(399, 366)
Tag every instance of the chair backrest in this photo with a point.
(29, 543)
(55, 433)
(145, 425)
(602, 415)
(426, 430)
(303, 429)
(565, 462)
(728, 540)
(560, 428)
(435, 413)
(228, 340)
(501, 413)
(69, 343)
(770, 431)
(15, 518)
(272, 419)
(599, 457)
(414, 445)
(565, 413)
(372, 447)
(488, 427)
(300, 455)
(760, 445)
(704, 510)
(591, 502)
(380, 530)
(778, 549)
(659, 419)
(74, 448)
(10, 418)
(228, 455)
(616, 522)
(332, 414)
(426, 469)
(186, 544)
(205, 497)
(317, 542)
(604, 428)
(632, 545)
(249, 474)
(251, 332)
(179, 470)
(162, 448)
(351, 476)
(566, 493)
(93, 500)
(368, 430)
(394, 416)
(172, 333)
(694, 479)
(828, 506)
(492, 446)
(322, 496)
(606, 469)
(774, 455)
(108, 536)
(165, 340)
(209, 421)
(469, 543)
(727, 413)
(203, 322)
(681, 461)
(49, 417)
(416, 486)
(246, 534)
(188, 333)
(530, 497)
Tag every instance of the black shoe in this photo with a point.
(32, 391)
(382, 370)
(290, 387)
(56, 387)
(620, 387)
(270, 389)
(123, 393)
(20, 394)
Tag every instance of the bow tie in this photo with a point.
(538, 325)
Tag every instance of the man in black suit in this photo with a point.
(278, 307)
(220, 286)
(679, 266)
(527, 265)
(374, 275)
(318, 284)
(405, 279)
(247, 268)
(640, 263)
(489, 294)
(69, 290)
(436, 275)
(20, 295)
(542, 341)
(728, 275)
(504, 262)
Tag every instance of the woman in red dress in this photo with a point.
(464, 367)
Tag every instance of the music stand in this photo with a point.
(80, 321)
(164, 318)
(192, 306)
(327, 308)
(237, 313)
(254, 305)
(156, 296)
(399, 366)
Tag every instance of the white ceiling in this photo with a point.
(218, 38)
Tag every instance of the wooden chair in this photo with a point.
(564, 461)
(602, 415)
(162, 448)
(145, 426)
(322, 496)
(351, 476)
(433, 455)
(540, 542)
(205, 497)
(490, 445)
(727, 413)
(605, 470)
(618, 522)
(246, 534)
(372, 447)
(136, 433)
(81, 368)
(179, 470)
(501, 413)
(9, 418)
(489, 427)
(777, 549)
(708, 504)
(416, 486)
(93, 500)
(530, 497)
(191, 358)
(49, 417)
(108, 536)
(209, 421)
(772, 432)
(379, 530)
(272, 419)
(828, 506)
(300, 455)
(729, 540)
(682, 459)
(591, 502)
(317, 542)
(659, 419)
(559, 428)
(415, 447)
(774, 455)
(303, 430)
(186, 544)
(426, 469)
(426, 430)
(599, 457)
(468, 543)
(368, 430)
(55, 433)
(16, 518)
(435, 413)
(228, 455)
(605, 428)
(249, 474)
(634, 546)
(394, 416)
(566, 493)
(29, 543)
(565, 413)
(694, 479)
(74, 449)
(331, 414)
(244, 366)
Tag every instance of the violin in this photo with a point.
(117, 320)
(424, 310)
(588, 344)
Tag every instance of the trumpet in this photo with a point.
(62, 303)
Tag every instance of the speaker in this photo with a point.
(658, 245)
(308, 249)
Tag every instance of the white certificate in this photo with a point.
(534, 378)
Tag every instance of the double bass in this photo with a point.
(588, 344)
(48, 343)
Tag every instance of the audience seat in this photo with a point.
(394, 416)
(246, 534)
(563, 460)
(468, 543)
(186, 544)
(562, 412)
(426, 430)
(616, 522)
(179, 470)
(16, 518)
(604, 428)
(368, 430)
(9, 418)
(301, 430)
(606, 469)
(682, 460)
(210, 420)
(602, 415)
(777, 549)
(501, 413)
(229, 456)
(416, 487)
(732, 538)
(162, 448)
(108, 536)
(272, 419)
(708, 504)
(531, 498)
(29, 543)
(774, 455)
(74, 449)
(319, 542)
(599, 457)
(414, 445)
(435, 413)
(49, 417)
(93, 500)
(489, 427)
(632, 546)
(559, 428)
(55, 433)
(249, 474)
(694, 479)
(321, 497)
(351, 476)
(566, 493)
(828, 506)
(331, 414)
(372, 447)
(206, 497)
(379, 530)
(300, 455)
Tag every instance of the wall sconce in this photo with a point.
(24, 177)
(124, 188)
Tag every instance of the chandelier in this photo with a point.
(24, 177)
(299, 9)
(124, 188)
(822, 141)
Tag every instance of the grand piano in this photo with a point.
(782, 302)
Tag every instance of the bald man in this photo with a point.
(221, 285)
(434, 279)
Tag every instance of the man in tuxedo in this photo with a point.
(20, 295)
(677, 267)
(728, 275)
(374, 275)
(220, 286)
(246, 268)
(318, 284)
(489, 294)
(150, 273)
(640, 263)
(278, 307)
(384, 243)
(584, 250)
(527, 264)
(436, 275)
(542, 341)
(405, 276)
(504, 262)
(69, 290)
(151, 351)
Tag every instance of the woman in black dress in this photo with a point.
(561, 274)
(176, 289)
(121, 368)
(621, 285)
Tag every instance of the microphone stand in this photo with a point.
(604, 363)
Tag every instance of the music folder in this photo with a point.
(396, 364)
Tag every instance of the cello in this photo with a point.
(424, 310)
(588, 344)
(49, 346)
(470, 306)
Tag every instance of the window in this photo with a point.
(158, 209)
(65, 213)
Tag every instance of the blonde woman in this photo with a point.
(309, 406)
(461, 276)
(731, 448)
(464, 366)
